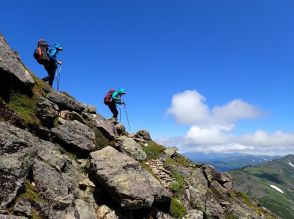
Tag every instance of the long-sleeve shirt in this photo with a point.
(116, 97)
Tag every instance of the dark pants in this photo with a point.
(50, 67)
(113, 109)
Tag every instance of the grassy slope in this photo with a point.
(256, 181)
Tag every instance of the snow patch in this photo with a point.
(277, 188)
(291, 164)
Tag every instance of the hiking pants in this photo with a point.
(113, 109)
(50, 67)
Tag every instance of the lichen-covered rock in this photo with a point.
(23, 208)
(4, 216)
(71, 116)
(132, 148)
(76, 135)
(85, 210)
(127, 182)
(11, 64)
(47, 112)
(52, 186)
(65, 102)
(168, 153)
(17, 148)
(105, 126)
(89, 109)
(194, 214)
(143, 134)
(105, 212)
(120, 129)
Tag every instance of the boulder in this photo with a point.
(226, 180)
(132, 148)
(126, 181)
(71, 116)
(65, 102)
(208, 172)
(104, 125)
(47, 112)
(4, 216)
(76, 135)
(10, 63)
(143, 134)
(52, 186)
(23, 208)
(120, 129)
(105, 212)
(168, 153)
(194, 214)
(85, 210)
(17, 148)
(89, 109)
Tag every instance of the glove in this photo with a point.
(59, 62)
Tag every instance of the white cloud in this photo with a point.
(234, 111)
(211, 130)
(189, 108)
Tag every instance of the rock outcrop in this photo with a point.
(10, 63)
(76, 134)
(60, 159)
(131, 186)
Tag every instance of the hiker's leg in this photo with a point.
(113, 109)
(51, 73)
(47, 68)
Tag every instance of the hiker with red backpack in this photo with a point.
(47, 55)
(111, 99)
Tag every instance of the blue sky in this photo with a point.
(213, 51)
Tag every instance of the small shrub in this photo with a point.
(30, 193)
(177, 209)
(179, 184)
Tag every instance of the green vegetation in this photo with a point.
(25, 106)
(244, 197)
(178, 185)
(256, 182)
(153, 150)
(177, 209)
(178, 160)
(35, 214)
(30, 193)
(231, 216)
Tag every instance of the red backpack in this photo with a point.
(40, 53)
(107, 98)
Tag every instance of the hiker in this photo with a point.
(111, 99)
(47, 55)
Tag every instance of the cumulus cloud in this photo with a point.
(189, 108)
(211, 129)
(234, 111)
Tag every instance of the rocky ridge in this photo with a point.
(60, 159)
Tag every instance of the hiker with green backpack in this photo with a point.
(111, 99)
(47, 55)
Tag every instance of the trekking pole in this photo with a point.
(58, 77)
(119, 114)
(127, 116)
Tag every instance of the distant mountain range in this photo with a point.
(229, 161)
(271, 183)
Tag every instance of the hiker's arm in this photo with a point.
(115, 97)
